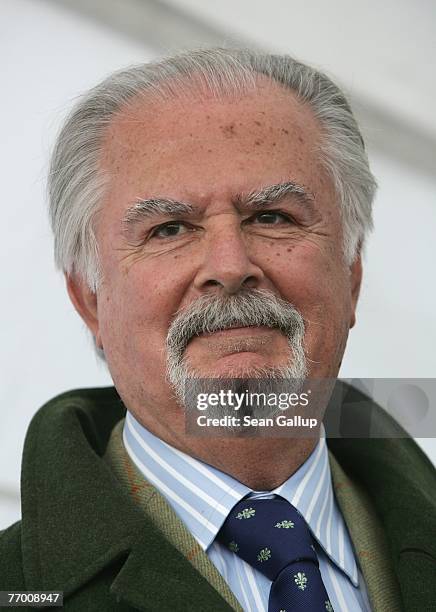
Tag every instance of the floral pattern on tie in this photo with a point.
(246, 513)
(264, 555)
(284, 525)
(300, 580)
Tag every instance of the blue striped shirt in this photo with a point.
(202, 496)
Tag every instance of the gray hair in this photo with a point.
(76, 183)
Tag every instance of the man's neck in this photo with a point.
(262, 464)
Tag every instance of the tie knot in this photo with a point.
(269, 534)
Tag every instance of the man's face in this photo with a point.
(212, 155)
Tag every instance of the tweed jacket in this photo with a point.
(82, 533)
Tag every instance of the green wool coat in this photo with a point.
(83, 534)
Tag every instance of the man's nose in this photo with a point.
(227, 266)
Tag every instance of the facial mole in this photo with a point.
(229, 130)
(285, 131)
(258, 142)
(258, 123)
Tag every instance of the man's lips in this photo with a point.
(238, 332)
(237, 340)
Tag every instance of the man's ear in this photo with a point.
(355, 282)
(85, 302)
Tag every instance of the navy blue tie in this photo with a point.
(273, 537)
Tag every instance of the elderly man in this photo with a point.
(209, 212)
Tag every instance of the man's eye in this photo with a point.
(271, 218)
(168, 230)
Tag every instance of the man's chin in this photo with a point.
(239, 365)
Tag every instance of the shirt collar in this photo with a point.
(203, 496)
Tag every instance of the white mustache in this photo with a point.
(253, 308)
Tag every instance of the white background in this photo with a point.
(50, 55)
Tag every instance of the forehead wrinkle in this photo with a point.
(273, 193)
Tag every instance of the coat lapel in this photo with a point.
(163, 516)
(156, 576)
(78, 520)
(368, 540)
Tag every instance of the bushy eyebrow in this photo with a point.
(146, 208)
(155, 206)
(274, 193)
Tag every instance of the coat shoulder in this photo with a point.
(11, 559)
